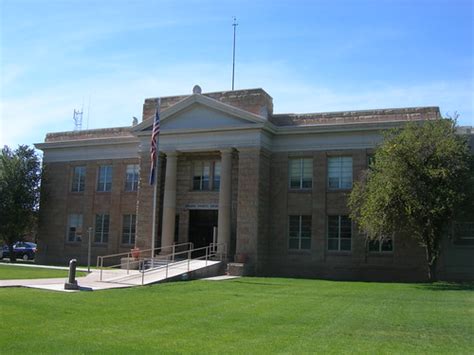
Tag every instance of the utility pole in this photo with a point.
(233, 53)
(89, 245)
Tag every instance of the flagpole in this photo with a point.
(155, 192)
(153, 229)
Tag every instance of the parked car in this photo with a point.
(25, 250)
(4, 252)
(22, 250)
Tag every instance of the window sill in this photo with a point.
(339, 190)
(338, 252)
(380, 254)
(299, 252)
(73, 244)
(100, 245)
(461, 244)
(299, 191)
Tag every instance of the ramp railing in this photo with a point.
(128, 261)
(212, 251)
(179, 261)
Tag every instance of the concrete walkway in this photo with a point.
(42, 266)
(114, 278)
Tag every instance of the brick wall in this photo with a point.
(57, 202)
(406, 262)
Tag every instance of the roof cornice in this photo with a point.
(205, 101)
(87, 142)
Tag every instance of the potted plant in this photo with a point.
(241, 258)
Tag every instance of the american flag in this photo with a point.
(154, 143)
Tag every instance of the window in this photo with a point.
(131, 178)
(216, 181)
(128, 228)
(340, 172)
(299, 232)
(381, 245)
(74, 228)
(301, 173)
(78, 178)
(339, 233)
(104, 181)
(370, 161)
(101, 228)
(206, 175)
(464, 233)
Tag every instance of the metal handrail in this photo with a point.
(213, 249)
(100, 259)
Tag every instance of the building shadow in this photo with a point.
(448, 286)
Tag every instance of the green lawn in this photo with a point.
(247, 315)
(9, 272)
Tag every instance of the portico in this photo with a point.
(200, 143)
(224, 191)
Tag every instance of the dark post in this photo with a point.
(71, 284)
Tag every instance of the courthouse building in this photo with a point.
(274, 185)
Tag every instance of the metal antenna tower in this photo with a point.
(77, 117)
(235, 24)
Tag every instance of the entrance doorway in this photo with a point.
(201, 224)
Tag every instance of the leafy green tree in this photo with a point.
(20, 176)
(414, 185)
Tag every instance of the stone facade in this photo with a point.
(254, 214)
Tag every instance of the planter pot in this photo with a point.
(241, 258)
(135, 253)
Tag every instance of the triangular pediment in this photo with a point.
(198, 112)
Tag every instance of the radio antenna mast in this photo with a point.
(235, 24)
(77, 117)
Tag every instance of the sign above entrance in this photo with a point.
(202, 206)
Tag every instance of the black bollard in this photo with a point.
(71, 284)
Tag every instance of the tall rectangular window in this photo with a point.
(216, 181)
(339, 233)
(340, 172)
(206, 175)
(463, 233)
(381, 245)
(201, 172)
(78, 178)
(104, 180)
(301, 173)
(299, 232)
(128, 228)
(131, 177)
(74, 227)
(101, 228)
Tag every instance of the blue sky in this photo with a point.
(310, 56)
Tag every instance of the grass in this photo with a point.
(10, 272)
(247, 315)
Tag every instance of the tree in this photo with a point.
(20, 176)
(413, 187)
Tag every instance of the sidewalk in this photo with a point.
(43, 266)
(113, 278)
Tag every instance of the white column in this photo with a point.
(225, 199)
(169, 202)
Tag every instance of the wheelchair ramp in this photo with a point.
(184, 269)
